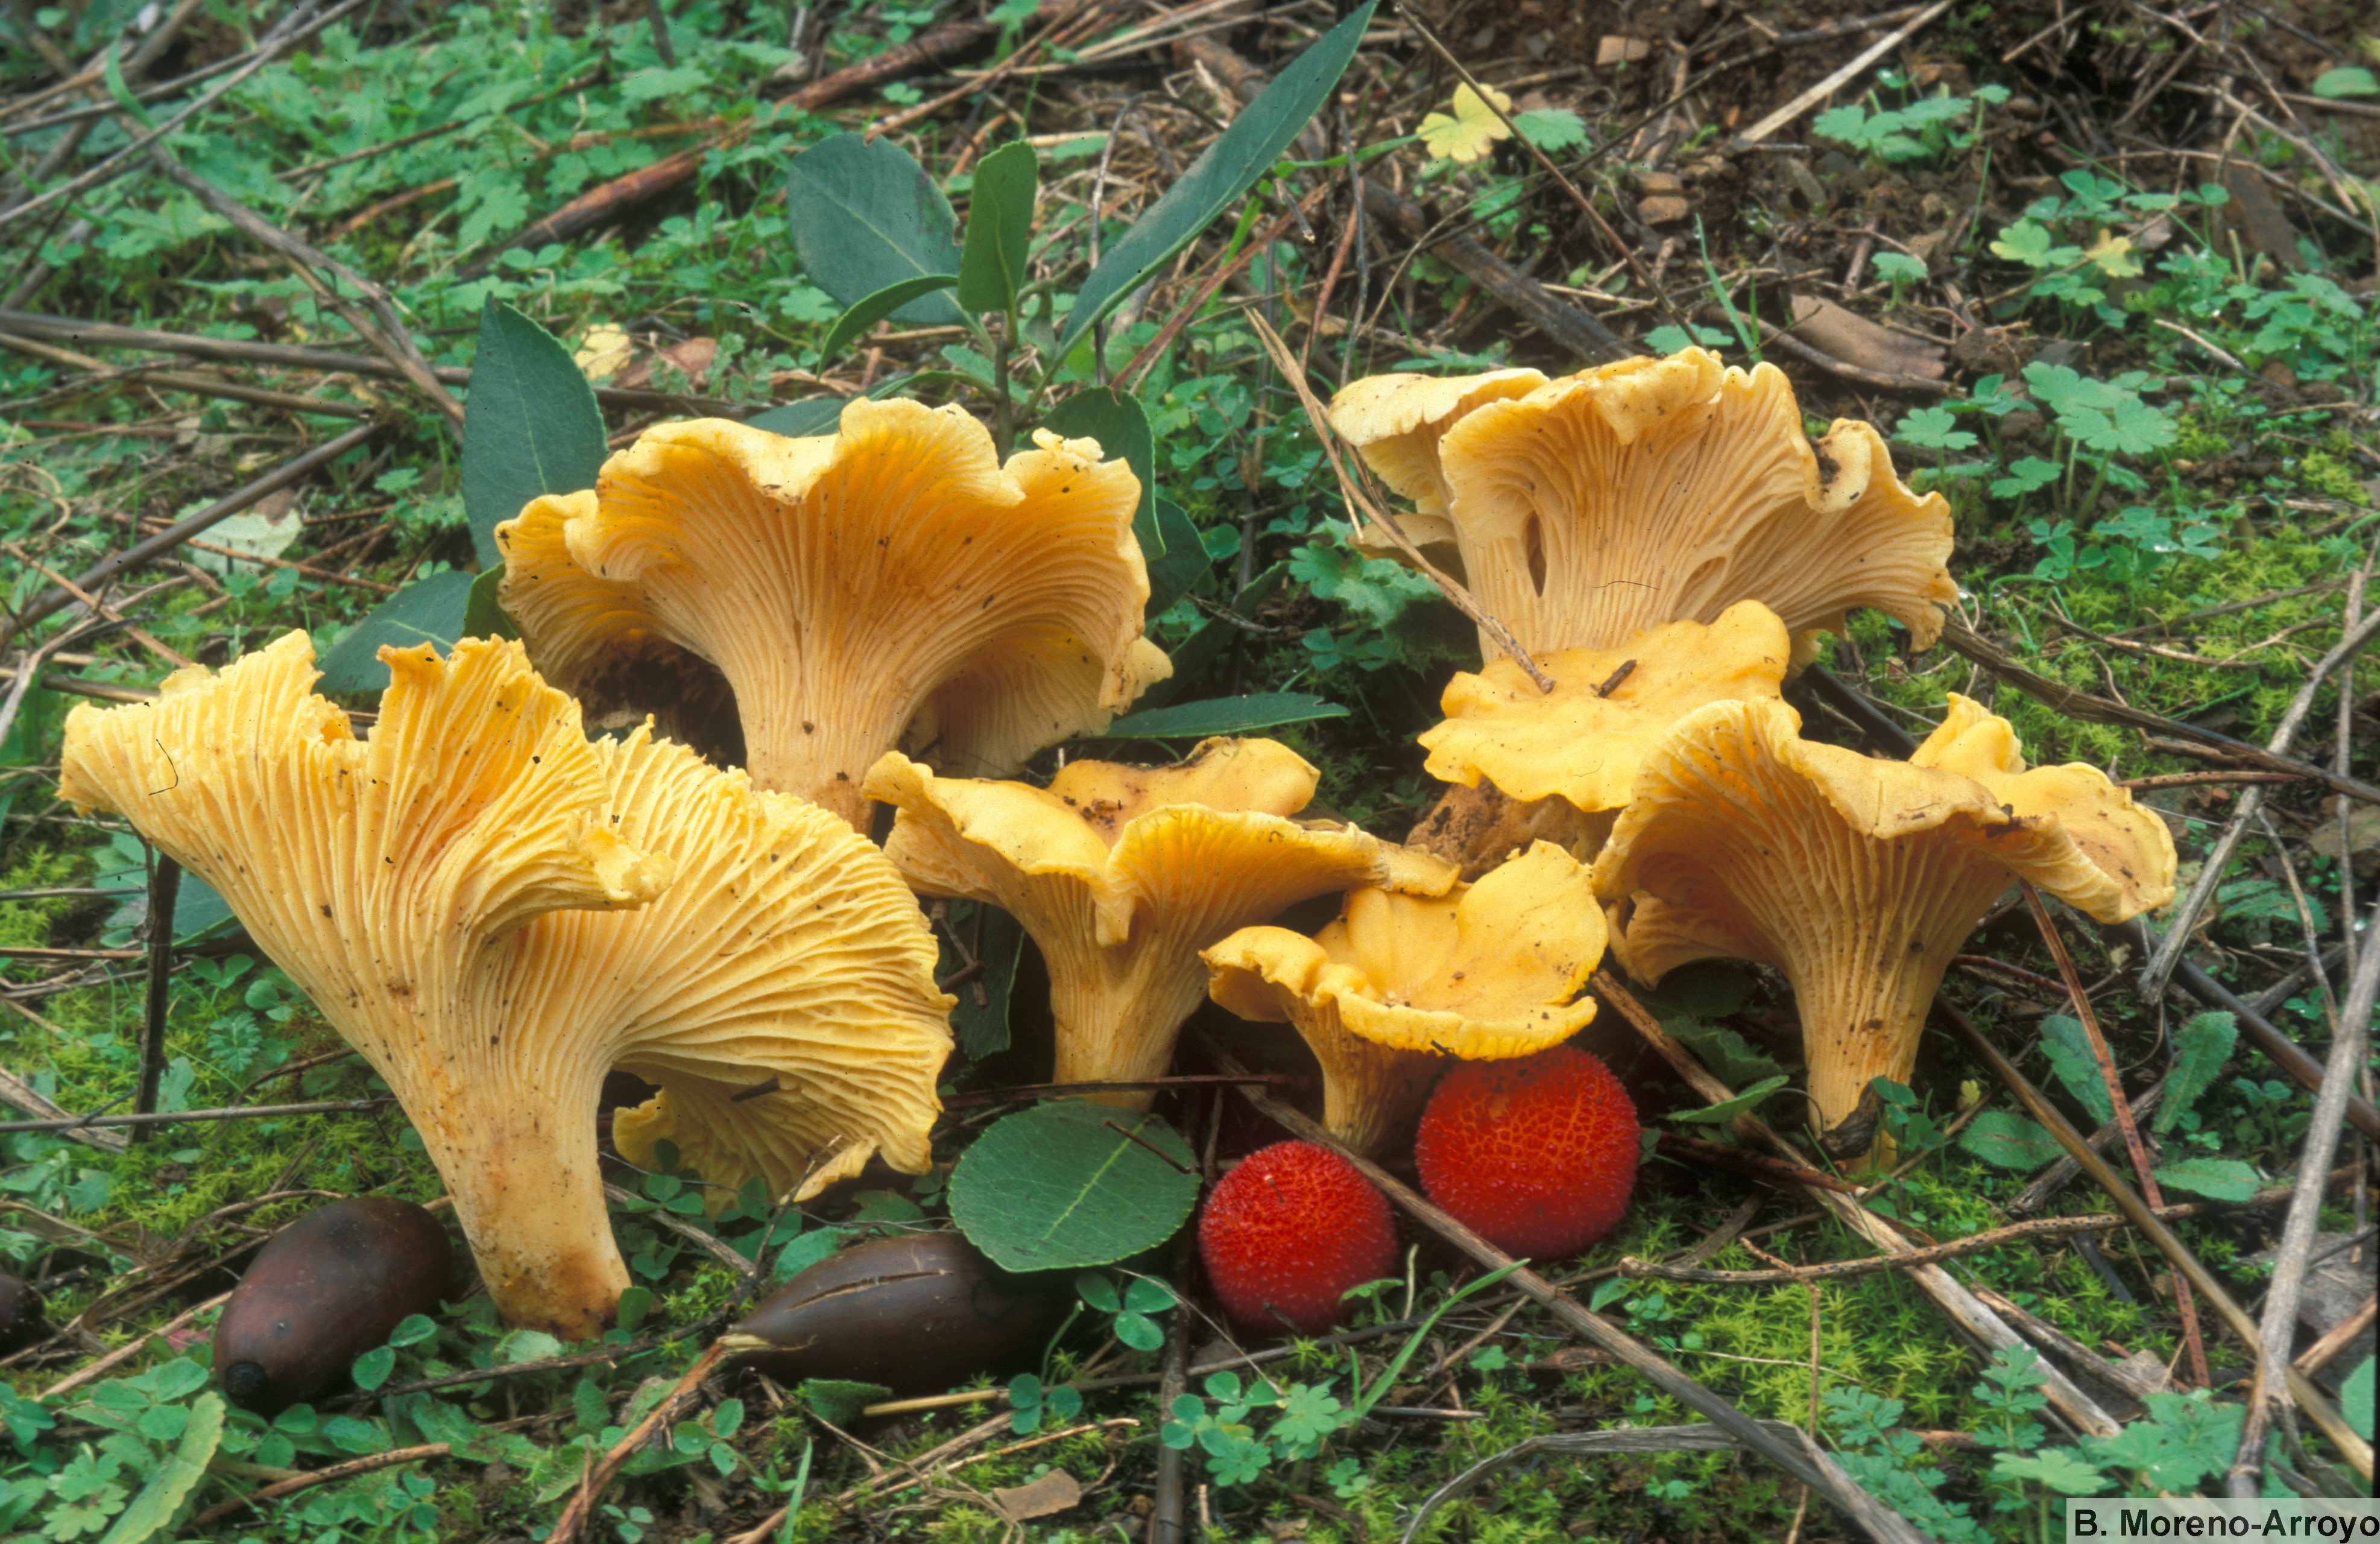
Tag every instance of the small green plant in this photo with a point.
(1925, 128)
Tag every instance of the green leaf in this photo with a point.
(979, 1023)
(153, 1510)
(1704, 989)
(132, 104)
(2007, 1140)
(2220, 1179)
(1848, 125)
(1223, 715)
(2074, 1066)
(839, 1400)
(1185, 565)
(1933, 429)
(1551, 128)
(1727, 1053)
(2183, 1442)
(2199, 1049)
(1215, 182)
(867, 215)
(1070, 1184)
(372, 1368)
(1140, 1331)
(1898, 268)
(413, 1329)
(431, 611)
(2025, 476)
(821, 415)
(531, 425)
(873, 309)
(2355, 1399)
(999, 227)
(1741, 1104)
(2346, 80)
(1120, 424)
(483, 614)
(2024, 242)
(2056, 1468)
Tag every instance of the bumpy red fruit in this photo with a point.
(1289, 1230)
(1537, 1154)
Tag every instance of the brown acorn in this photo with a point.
(328, 1288)
(914, 1312)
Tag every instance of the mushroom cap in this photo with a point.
(1655, 491)
(604, 648)
(890, 577)
(1583, 744)
(1398, 984)
(1858, 878)
(1121, 874)
(1735, 788)
(788, 949)
(1483, 972)
(1395, 421)
(450, 894)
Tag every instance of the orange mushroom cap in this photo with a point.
(1857, 878)
(453, 894)
(890, 579)
(1121, 874)
(1398, 985)
(1651, 491)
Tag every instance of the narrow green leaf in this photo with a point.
(999, 227)
(1223, 715)
(2221, 1179)
(1215, 182)
(1185, 565)
(2007, 1140)
(483, 614)
(431, 611)
(1071, 1184)
(1121, 426)
(2199, 1049)
(531, 425)
(867, 215)
(123, 93)
(873, 309)
(151, 1512)
(1742, 1104)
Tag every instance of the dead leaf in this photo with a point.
(1616, 51)
(1053, 1494)
(1857, 341)
(694, 355)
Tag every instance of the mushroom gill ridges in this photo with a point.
(1537, 1154)
(1290, 1231)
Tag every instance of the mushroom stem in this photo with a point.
(1372, 1094)
(1118, 1011)
(517, 1148)
(1861, 994)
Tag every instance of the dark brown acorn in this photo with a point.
(328, 1288)
(912, 1312)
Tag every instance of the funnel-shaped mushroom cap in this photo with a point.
(1858, 879)
(1121, 874)
(893, 577)
(1584, 741)
(1398, 984)
(621, 671)
(1395, 421)
(438, 891)
(1656, 491)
